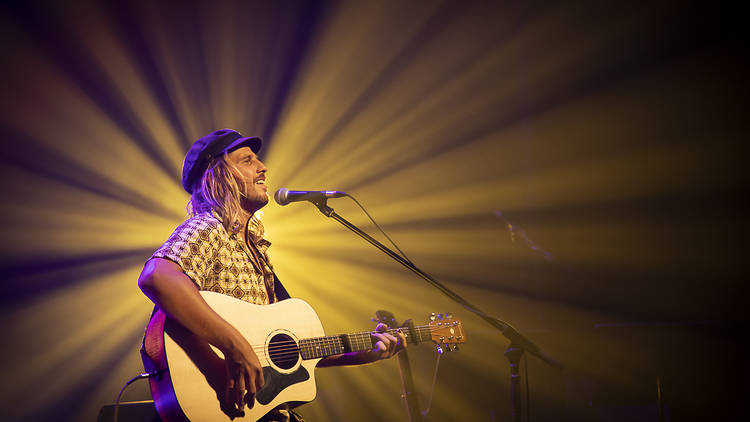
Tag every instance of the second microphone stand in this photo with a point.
(518, 343)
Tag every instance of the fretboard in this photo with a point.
(320, 347)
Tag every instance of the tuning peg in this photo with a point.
(455, 348)
(449, 315)
(432, 316)
(439, 350)
(440, 316)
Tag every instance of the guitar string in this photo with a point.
(420, 330)
(286, 357)
(290, 351)
(331, 340)
(294, 356)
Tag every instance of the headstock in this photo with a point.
(446, 331)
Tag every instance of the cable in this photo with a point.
(461, 301)
(434, 380)
(381, 230)
(119, 396)
(502, 325)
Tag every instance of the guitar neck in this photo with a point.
(320, 347)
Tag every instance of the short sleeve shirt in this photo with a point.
(221, 262)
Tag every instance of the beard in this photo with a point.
(253, 201)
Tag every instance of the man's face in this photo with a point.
(253, 174)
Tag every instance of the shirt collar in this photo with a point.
(256, 230)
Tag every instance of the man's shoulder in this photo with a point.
(206, 219)
(202, 225)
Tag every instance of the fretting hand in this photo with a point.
(387, 345)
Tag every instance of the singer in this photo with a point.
(221, 248)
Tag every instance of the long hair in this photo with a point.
(219, 190)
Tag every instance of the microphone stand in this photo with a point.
(518, 343)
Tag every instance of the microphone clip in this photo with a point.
(322, 204)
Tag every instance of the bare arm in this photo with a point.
(164, 282)
(176, 295)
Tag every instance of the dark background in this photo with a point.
(611, 136)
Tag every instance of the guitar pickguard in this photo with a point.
(275, 382)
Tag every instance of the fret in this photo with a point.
(422, 334)
(352, 341)
(365, 341)
(319, 347)
(357, 342)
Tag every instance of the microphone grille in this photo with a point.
(280, 196)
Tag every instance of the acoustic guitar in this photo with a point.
(289, 340)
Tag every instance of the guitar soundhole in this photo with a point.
(283, 351)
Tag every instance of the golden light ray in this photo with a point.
(593, 131)
(73, 356)
(124, 78)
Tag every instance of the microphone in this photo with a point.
(284, 196)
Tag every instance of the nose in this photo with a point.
(261, 167)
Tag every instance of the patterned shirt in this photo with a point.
(222, 262)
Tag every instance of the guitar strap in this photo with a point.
(278, 288)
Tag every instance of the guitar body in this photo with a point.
(192, 371)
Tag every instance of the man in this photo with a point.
(221, 248)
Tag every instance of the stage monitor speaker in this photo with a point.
(130, 411)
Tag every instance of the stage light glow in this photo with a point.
(434, 115)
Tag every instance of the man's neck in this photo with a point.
(244, 219)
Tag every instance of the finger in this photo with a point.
(229, 410)
(250, 383)
(401, 340)
(381, 328)
(388, 334)
(381, 346)
(252, 388)
(381, 349)
(250, 399)
(259, 380)
(390, 337)
(230, 387)
(239, 392)
(391, 344)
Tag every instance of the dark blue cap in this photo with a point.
(213, 145)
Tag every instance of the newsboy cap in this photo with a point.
(209, 147)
